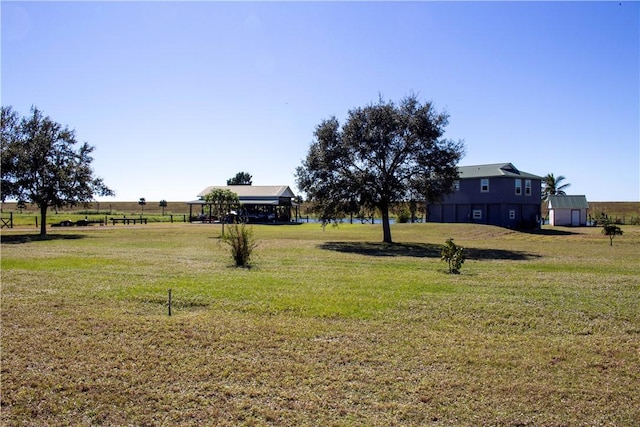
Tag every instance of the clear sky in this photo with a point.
(177, 96)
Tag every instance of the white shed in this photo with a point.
(568, 210)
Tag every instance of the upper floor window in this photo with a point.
(484, 185)
(527, 187)
(518, 187)
(456, 185)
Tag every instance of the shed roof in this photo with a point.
(252, 191)
(494, 170)
(568, 202)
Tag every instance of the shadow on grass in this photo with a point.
(26, 238)
(550, 232)
(487, 254)
(420, 250)
(276, 223)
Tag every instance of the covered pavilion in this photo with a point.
(258, 204)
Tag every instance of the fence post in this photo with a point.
(9, 220)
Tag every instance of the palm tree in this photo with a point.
(163, 204)
(552, 186)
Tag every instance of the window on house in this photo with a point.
(484, 185)
(456, 185)
(512, 214)
(518, 187)
(477, 214)
(527, 187)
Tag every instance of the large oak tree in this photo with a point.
(383, 154)
(42, 162)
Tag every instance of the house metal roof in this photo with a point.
(568, 202)
(494, 170)
(256, 192)
(243, 201)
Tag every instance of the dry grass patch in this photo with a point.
(329, 328)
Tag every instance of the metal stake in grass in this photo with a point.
(169, 305)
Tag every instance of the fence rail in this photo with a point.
(6, 222)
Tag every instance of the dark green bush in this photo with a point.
(403, 216)
(454, 255)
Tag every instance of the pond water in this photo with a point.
(348, 220)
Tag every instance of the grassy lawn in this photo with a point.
(327, 328)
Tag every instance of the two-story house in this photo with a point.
(495, 194)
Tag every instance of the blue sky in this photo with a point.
(176, 96)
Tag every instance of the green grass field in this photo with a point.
(327, 327)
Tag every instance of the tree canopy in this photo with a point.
(241, 178)
(381, 155)
(42, 162)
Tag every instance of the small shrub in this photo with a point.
(635, 220)
(454, 255)
(612, 231)
(240, 238)
(326, 221)
(403, 216)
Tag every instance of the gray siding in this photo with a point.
(499, 206)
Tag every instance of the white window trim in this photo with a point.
(527, 187)
(512, 214)
(518, 184)
(482, 181)
(477, 214)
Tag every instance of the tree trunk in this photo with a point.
(386, 228)
(413, 208)
(43, 219)
(221, 217)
